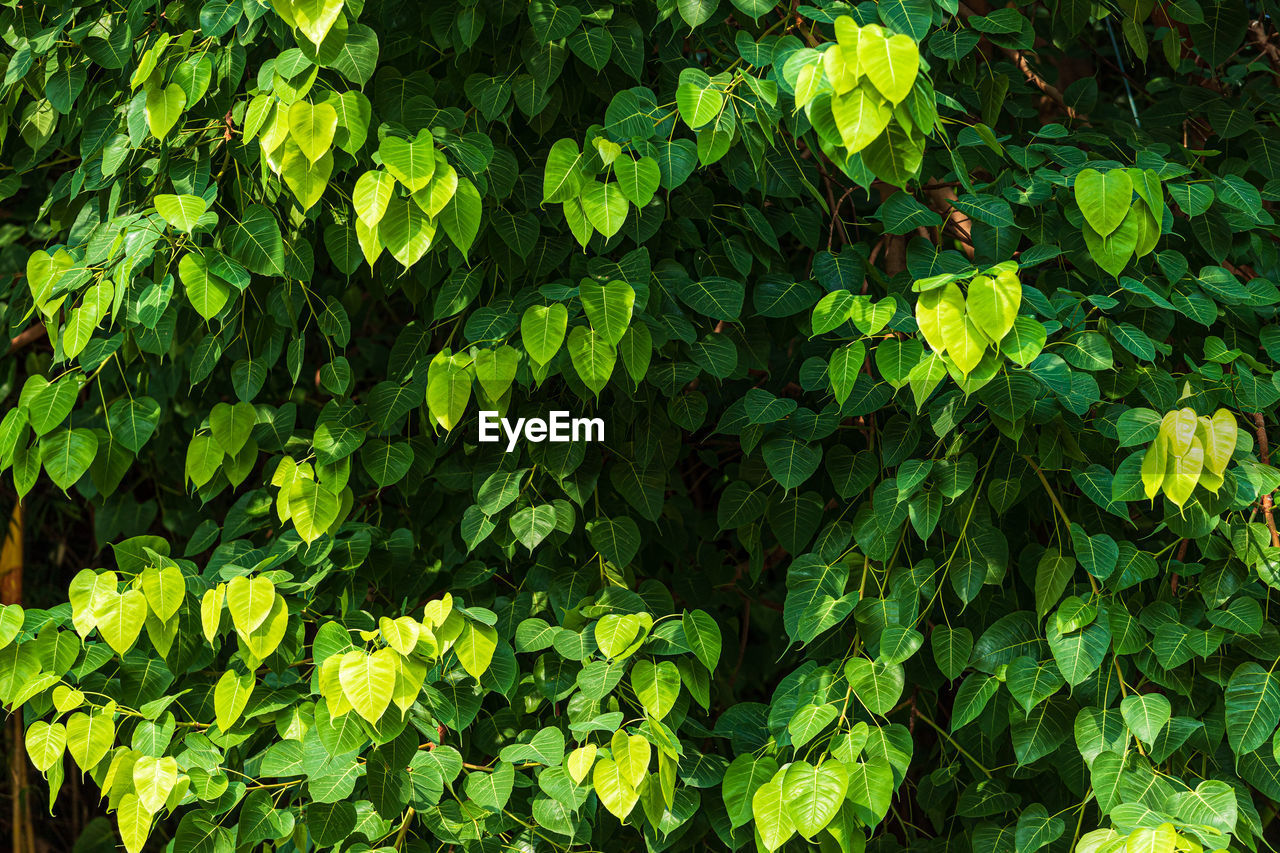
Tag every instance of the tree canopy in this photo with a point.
(936, 347)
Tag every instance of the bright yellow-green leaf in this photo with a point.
(231, 696)
(164, 588)
(475, 647)
(449, 388)
(861, 115)
(153, 779)
(120, 617)
(371, 195)
(615, 791)
(993, 303)
(163, 108)
(401, 634)
(891, 63)
(312, 127)
(45, 744)
(134, 820)
(181, 211)
(580, 761)
(368, 681)
(306, 180)
(89, 738)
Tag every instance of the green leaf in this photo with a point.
(256, 242)
(861, 115)
(697, 99)
(1104, 198)
(770, 809)
(448, 388)
(306, 180)
(120, 617)
(232, 424)
(617, 540)
(592, 356)
(1145, 715)
(533, 524)
(891, 63)
(832, 311)
(1253, 707)
(608, 308)
(614, 633)
(605, 207)
(312, 127)
(181, 211)
(615, 791)
(951, 648)
(702, 635)
(164, 106)
(45, 743)
(368, 681)
(1053, 572)
(814, 794)
(876, 685)
(696, 12)
(316, 17)
(89, 738)
(657, 686)
(562, 177)
(67, 454)
(993, 304)
(230, 697)
(807, 722)
(496, 370)
(134, 820)
(411, 162)
(638, 179)
(791, 462)
(372, 194)
(406, 231)
(475, 647)
(1037, 828)
(542, 330)
(250, 601)
(312, 507)
(844, 368)
(717, 297)
(164, 588)
(460, 217)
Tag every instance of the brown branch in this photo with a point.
(1035, 79)
(27, 336)
(1264, 453)
(835, 216)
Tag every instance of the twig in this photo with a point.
(960, 749)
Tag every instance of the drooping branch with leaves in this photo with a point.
(936, 346)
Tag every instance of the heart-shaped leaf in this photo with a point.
(1104, 198)
(312, 127)
(891, 63)
(181, 211)
(608, 307)
(411, 162)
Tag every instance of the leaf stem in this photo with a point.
(960, 749)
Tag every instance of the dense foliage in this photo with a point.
(936, 347)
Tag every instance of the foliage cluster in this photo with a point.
(937, 346)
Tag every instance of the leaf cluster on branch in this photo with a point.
(935, 347)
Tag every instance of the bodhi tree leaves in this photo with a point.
(924, 495)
